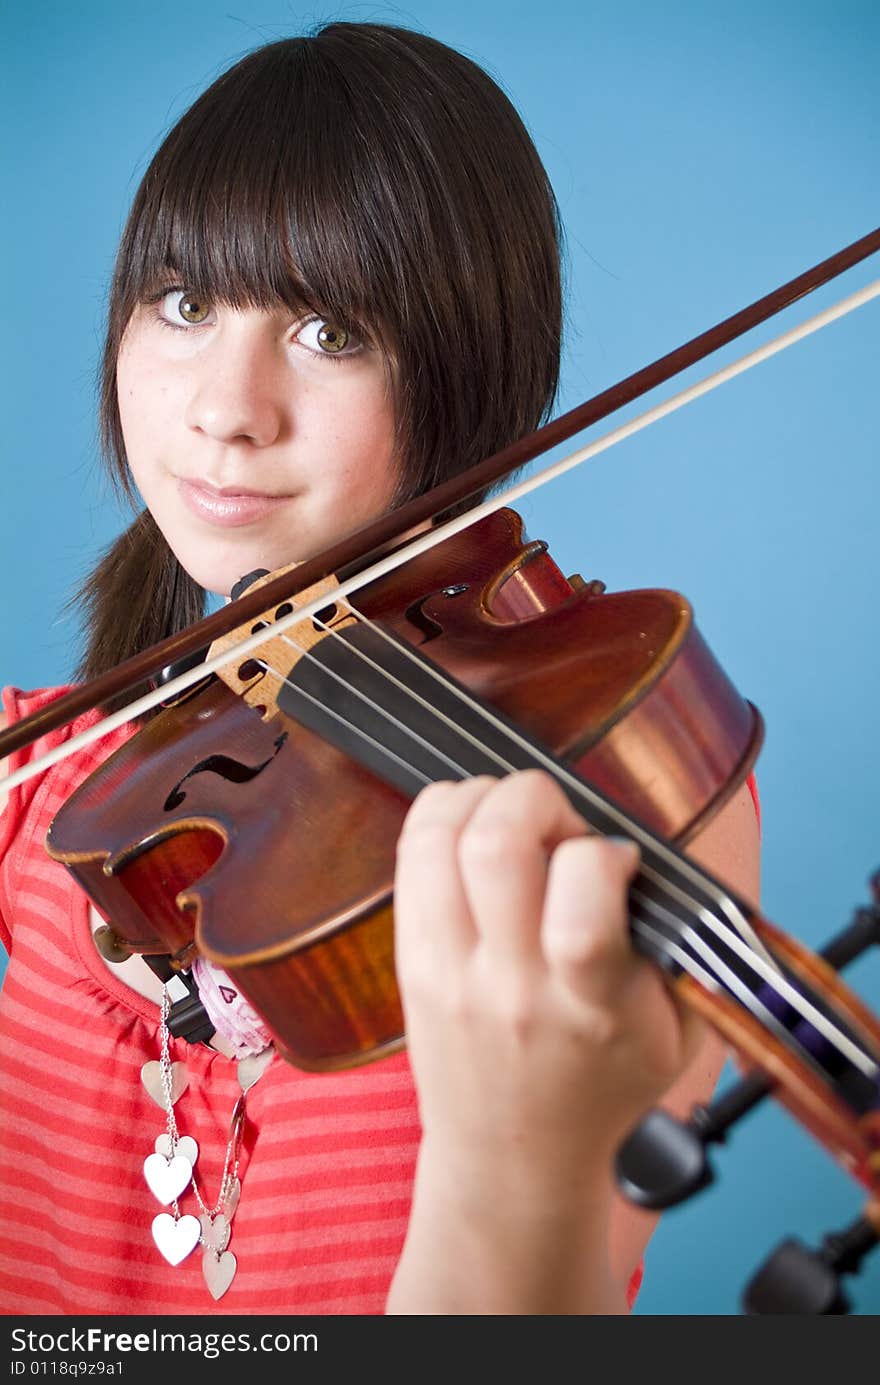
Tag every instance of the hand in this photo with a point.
(537, 1035)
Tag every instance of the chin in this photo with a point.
(220, 576)
(217, 561)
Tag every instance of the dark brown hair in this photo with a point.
(379, 178)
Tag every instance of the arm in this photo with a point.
(538, 1037)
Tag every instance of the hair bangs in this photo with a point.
(250, 214)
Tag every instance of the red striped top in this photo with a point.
(328, 1160)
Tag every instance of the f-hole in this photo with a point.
(233, 770)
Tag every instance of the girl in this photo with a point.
(339, 284)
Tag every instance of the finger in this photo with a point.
(432, 919)
(585, 929)
(504, 854)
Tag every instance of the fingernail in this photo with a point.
(626, 845)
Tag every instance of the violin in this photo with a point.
(454, 656)
(253, 820)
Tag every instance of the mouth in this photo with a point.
(228, 505)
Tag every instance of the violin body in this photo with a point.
(234, 831)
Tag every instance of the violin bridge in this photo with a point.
(258, 676)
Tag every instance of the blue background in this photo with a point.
(702, 154)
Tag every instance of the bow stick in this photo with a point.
(354, 559)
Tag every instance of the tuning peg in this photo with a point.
(664, 1161)
(798, 1279)
(862, 933)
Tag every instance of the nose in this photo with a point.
(236, 392)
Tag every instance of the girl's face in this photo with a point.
(256, 438)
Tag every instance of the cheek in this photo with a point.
(368, 469)
(130, 396)
(144, 407)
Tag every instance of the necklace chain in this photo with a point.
(236, 1128)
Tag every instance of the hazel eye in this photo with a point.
(180, 305)
(332, 339)
(328, 338)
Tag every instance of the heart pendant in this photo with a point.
(216, 1233)
(167, 1178)
(219, 1271)
(186, 1146)
(151, 1076)
(253, 1066)
(175, 1239)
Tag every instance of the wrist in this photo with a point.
(538, 1174)
(506, 1242)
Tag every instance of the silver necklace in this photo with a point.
(170, 1169)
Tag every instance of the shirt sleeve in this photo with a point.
(17, 705)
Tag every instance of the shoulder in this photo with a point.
(730, 844)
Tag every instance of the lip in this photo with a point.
(227, 506)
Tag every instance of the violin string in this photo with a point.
(671, 947)
(649, 905)
(800, 1004)
(582, 789)
(754, 953)
(724, 975)
(438, 533)
(762, 963)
